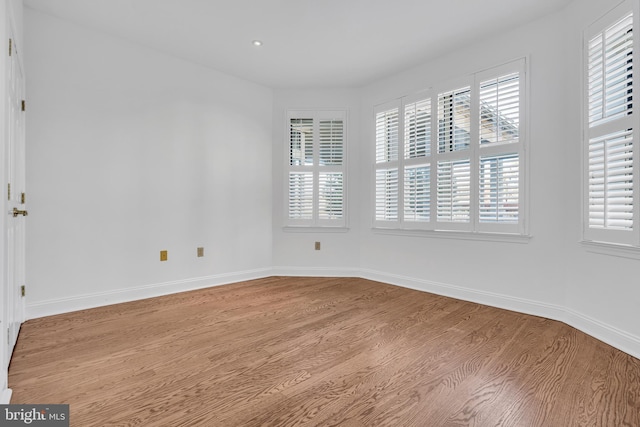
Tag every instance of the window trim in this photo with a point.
(316, 223)
(473, 228)
(611, 241)
(456, 235)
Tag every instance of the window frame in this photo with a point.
(601, 238)
(472, 154)
(316, 170)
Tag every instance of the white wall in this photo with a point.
(293, 252)
(131, 152)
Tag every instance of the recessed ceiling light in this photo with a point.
(257, 43)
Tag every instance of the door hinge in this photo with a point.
(23, 290)
(24, 105)
(23, 198)
(10, 46)
(8, 191)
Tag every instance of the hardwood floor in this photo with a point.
(320, 352)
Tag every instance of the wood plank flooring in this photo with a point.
(320, 352)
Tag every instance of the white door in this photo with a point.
(16, 197)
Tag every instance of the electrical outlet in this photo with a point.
(200, 252)
(317, 246)
(163, 255)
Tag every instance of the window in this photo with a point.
(316, 168)
(611, 130)
(453, 159)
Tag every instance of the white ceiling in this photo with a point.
(307, 43)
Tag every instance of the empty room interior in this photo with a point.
(287, 212)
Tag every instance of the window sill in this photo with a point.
(314, 229)
(460, 235)
(611, 249)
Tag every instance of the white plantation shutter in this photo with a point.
(416, 196)
(500, 109)
(499, 191)
(316, 173)
(301, 142)
(454, 120)
(611, 181)
(387, 195)
(501, 150)
(301, 195)
(610, 77)
(331, 141)
(387, 136)
(453, 177)
(331, 198)
(387, 177)
(417, 129)
(417, 193)
(454, 191)
(611, 126)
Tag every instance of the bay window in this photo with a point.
(453, 158)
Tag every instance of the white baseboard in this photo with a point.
(613, 336)
(82, 302)
(506, 302)
(5, 396)
(316, 272)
